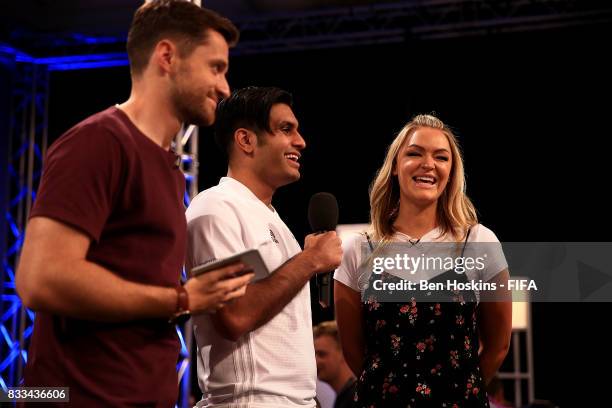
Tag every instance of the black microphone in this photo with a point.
(323, 212)
(323, 216)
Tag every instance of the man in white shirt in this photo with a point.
(257, 351)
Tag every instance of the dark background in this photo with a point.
(531, 113)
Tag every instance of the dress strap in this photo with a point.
(466, 240)
(369, 241)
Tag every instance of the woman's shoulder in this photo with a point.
(353, 241)
(480, 233)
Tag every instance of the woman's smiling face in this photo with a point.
(423, 166)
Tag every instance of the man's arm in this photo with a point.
(266, 298)
(54, 276)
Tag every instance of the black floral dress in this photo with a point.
(421, 354)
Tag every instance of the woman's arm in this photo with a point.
(495, 329)
(350, 326)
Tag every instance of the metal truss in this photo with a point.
(48, 45)
(27, 145)
(412, 20)
(186, 146)
(378, 23)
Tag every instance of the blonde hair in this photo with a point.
(328, 328)
(455, 212)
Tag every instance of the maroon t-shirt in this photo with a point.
(107, 179)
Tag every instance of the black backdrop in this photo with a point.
(530, 110)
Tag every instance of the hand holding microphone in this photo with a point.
(324, 244)
(326, 250)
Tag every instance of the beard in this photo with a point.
(187, 103)
(283, 175)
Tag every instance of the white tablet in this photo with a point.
(251, 258)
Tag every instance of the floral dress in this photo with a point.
(421, 354)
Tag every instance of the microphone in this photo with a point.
(323, 217)
(323, 212)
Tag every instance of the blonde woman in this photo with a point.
(414, 353)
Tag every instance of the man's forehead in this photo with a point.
(281, 112)
(325, 339)
(214, 41)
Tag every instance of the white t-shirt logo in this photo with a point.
(272, 235)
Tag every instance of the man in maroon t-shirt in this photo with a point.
(106, 238)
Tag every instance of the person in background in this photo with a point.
(331, 366)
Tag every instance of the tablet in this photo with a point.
(250, 258)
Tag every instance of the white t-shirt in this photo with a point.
(273, 366)
(356, 278)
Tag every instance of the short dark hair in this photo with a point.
(247, 108)
(180, 20)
